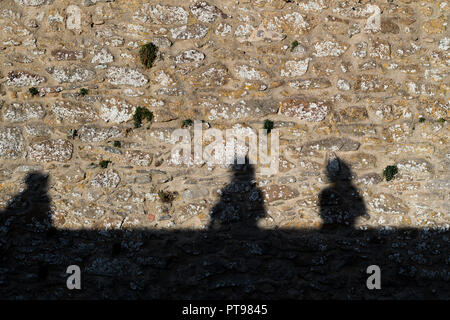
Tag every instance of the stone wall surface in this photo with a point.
(370, 96)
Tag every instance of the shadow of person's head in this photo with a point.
(241, 201)
(340, 203)
(36, 182)
(338, 171)
(33, 203)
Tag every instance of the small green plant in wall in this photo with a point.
(117, 144)
(294, 45)
(104, 163)
(187, 123)
(166, 196)
(72, 133)
(33, 91)
(140, 114)
(441, 120)
(147, 54)
(390, 172)
(268, 125)
(83, 92)
(422, 119)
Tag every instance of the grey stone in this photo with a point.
(106, 179)
(195, 193)
(51, 150)
(72, 74)
(332, 144)
(22, 79)
(19, 112)
(96, 134)
(11, 142)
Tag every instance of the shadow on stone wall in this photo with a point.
(340, 204)
(232, 259)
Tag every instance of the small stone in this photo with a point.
(397, 132)
(240, 110)
(11, 142)
(162, 42)
(138, 158)
(381, 50)
(104, 56)
(261, 33)
(246, 72)
(126, 76)
(392, 112)
(195, 193)
(331, 144)
(162, 14)
(372, 83)
(205, 12)
(415, 166)
(295, 68)
(352, 114)
(69, 75)
(51, 150)
(343, 85)
(106, 179)
(193, 31)
(67, 55)
(32, 3)
(189, 56)
(38, 129)
(117, 111)
(73, 112)
(22, 78)
(309, 110)
(411, 148)
(19, 112)
(388, 26)
(97, 134)
(213, 75)
(329, 48)
(142, 179)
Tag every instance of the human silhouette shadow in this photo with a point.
(27, 213)
(30, 205)
(340, 204)
(232, 259)
(241, 202)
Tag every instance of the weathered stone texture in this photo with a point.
(106, 179)
(11, 142)
(126, 76)
(71, 74)
(23, 78)
(19, 112)
(51, 150)
(73, 112)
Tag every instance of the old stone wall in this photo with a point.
(346, 88)
(334, 83)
